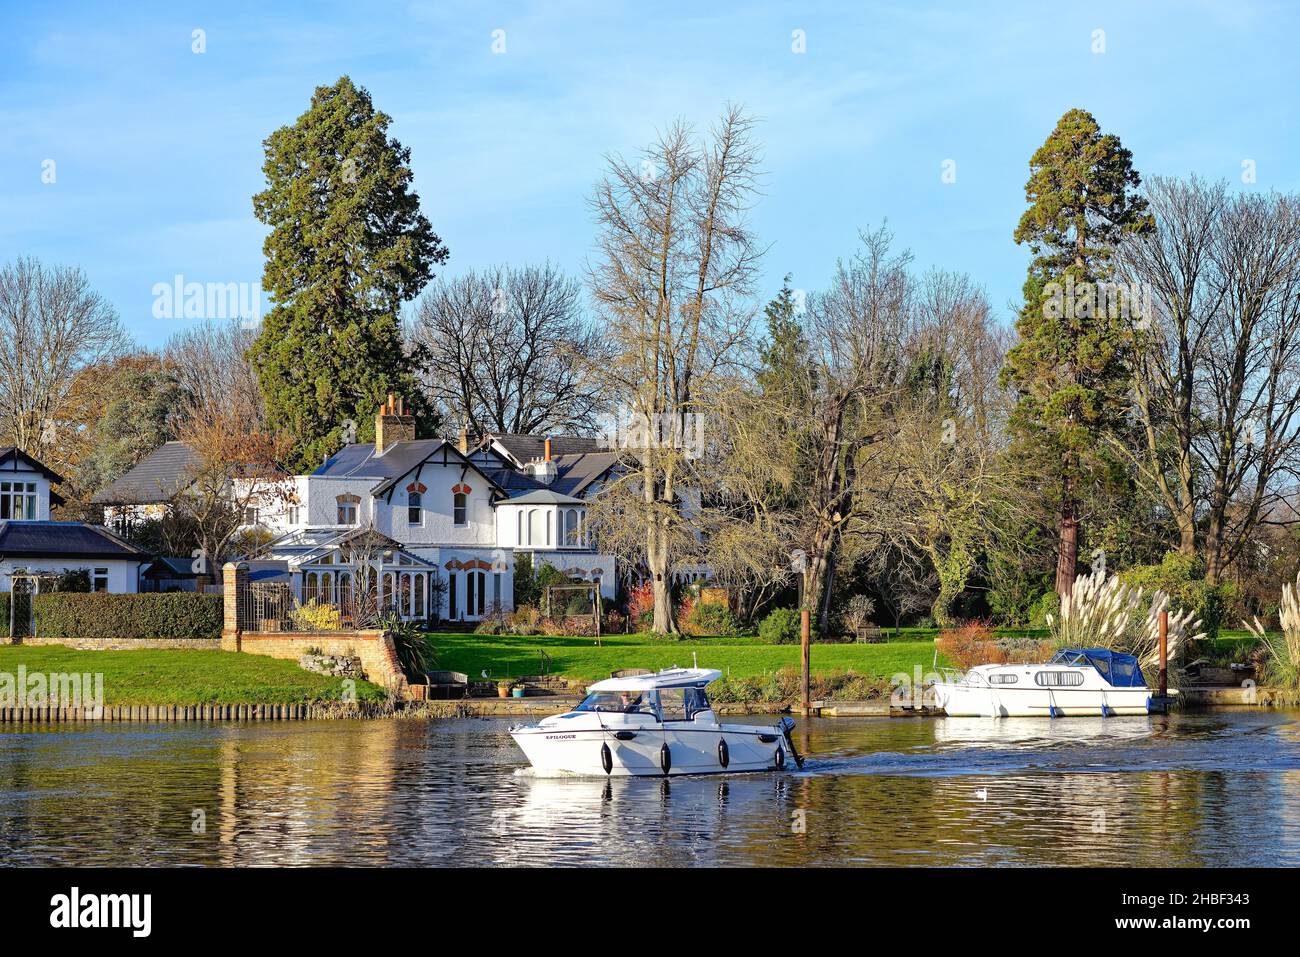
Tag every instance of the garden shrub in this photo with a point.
(641, 605)
(173, 615)
(781, 627)
(316, 615)
(975, 643)
(1182, 578)
(710, 619)
(525, 620)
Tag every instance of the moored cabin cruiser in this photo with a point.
(653, 725)
(1077, 681)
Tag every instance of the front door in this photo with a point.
(475, 594)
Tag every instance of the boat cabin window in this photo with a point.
(619, 702)
(672, 704)
(1059, 679)
(1003, 679)
(695, 702)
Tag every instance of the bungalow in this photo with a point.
(33, 545)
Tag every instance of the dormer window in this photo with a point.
(347, 509)
(18, 501)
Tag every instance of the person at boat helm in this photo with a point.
(629, 704)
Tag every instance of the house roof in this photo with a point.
(526, 448)
(543, 496)
(11, 457)
(305, 545)
(360, 461)
(64, 540)
(162, 473)
(574, 474)
(171, 567)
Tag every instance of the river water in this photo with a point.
(1184, 790)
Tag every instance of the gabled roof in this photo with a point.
(158, 477)
(305, 545)
(526, 448)
(171, 567)
(64, 540)
(360, 461)
(11, 457)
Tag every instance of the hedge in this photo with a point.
(102, 615)
(4, 614)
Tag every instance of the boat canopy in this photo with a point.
(670, 678)
(1122, 671)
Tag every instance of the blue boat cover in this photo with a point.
(1122, 671)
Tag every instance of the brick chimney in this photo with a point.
(392, 425)
(462, 441)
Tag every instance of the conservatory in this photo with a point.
(355, 570)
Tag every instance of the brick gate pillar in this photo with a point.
(234, 589)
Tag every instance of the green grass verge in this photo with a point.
(167, 676)
(580, 659)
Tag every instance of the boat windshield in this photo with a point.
(621, 702)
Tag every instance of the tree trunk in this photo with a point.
(1067, 550)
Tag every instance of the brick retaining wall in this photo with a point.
(375, 649)
(125, 644)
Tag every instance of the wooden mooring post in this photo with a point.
(805, 643)
(1164, 654)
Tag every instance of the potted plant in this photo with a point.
(503, 687)
(519, 690)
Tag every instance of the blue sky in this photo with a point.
(157, 150)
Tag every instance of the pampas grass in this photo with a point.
(1283, 662)
(1103, 612)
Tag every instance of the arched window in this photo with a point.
(459, 513)
(570, 527)
(414, 508)
(418, 608)
(536, 526)
(519, 538)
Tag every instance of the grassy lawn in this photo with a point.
(579, 658)
(165, 677)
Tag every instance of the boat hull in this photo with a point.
(690, 750)
(958, 700)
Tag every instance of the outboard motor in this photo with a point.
(787, 729)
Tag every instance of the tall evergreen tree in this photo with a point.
(1070, 363)
(348, 245)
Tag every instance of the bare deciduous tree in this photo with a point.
(1217, 367)
(672, 285)
(210, 363)
(508, 350)
(54, 328)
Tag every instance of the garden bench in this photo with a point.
(446, 684)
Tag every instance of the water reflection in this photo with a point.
(1187, 790)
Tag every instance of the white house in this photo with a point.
(32, 544)
(437, 520)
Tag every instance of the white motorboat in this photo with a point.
(1077, 681)
(653, 725)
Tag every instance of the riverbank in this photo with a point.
(582, 661)
(176, 678)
